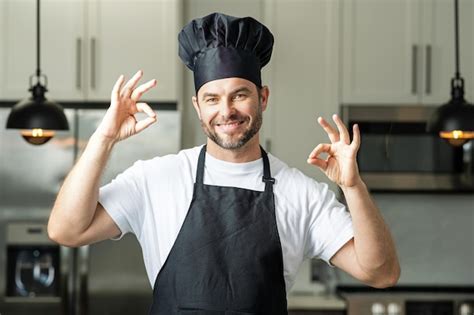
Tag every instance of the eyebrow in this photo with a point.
(209, 95)
(238, 90)
(241, 89)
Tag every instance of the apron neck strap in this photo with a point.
(267, 177)
(200, 166)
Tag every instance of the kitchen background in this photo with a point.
(327, 53)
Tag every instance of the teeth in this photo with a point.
(230, 124)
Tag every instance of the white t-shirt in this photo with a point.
(151, 199)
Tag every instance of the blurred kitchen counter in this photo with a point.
(320, 304)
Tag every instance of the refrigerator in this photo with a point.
(38, 276)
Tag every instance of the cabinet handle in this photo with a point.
(78, 63)
(428, 69)
(414, 67)
(93, 61)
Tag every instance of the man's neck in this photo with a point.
(247, 153)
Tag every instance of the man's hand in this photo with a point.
(341, 164)
(119, 121)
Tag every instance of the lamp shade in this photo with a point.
(454, 115)
(454, 121)
(37, 112)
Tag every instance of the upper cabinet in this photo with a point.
(402, 51)
(125, 36)
(86, 45)
(380, 51)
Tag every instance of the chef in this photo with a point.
(224, 226)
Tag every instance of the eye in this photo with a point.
(240, 96)
(211, 100)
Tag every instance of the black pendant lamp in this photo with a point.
(36, 116)
(454, 121)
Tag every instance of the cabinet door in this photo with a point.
(18, 47)
(61, 26)
(303, 77)
(62, 48)
(381, 51)
(125, 36)
(439, 51)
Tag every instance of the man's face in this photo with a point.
(230, 111)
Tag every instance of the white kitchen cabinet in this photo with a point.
(303, 78)
(125, 36)
(86, 45)
(62, 53)
(379, 51)
(18, 44)
(402, 51)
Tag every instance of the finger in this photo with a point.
(333, 135)
(343, 133)
(145, 108)
(143, 124)
(128, 88)
(138, 92)
(356, 139)
(320, 148)
(322, 164)
(117, 87)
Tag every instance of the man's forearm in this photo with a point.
(76, 202)
(373, 243)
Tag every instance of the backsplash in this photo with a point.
(434, 235)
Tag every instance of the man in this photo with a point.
(224, 227)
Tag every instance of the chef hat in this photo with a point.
(220, 46)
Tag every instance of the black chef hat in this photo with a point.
(220, 46)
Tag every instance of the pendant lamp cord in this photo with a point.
(456, 38)
(38, 71)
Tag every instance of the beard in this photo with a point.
(235, 142)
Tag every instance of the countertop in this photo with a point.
(315, 302)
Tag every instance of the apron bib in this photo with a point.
(227, 257)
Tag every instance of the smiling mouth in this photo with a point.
(231, 124)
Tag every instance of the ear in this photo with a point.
(196, 106)
(264, 94)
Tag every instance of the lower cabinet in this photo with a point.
(309, 312)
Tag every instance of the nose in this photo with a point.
(226, 108)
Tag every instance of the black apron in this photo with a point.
(227, 257)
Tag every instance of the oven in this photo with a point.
(36, 270)
(397, 154)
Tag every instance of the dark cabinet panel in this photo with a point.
(322, 312)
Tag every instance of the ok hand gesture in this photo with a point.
(119, 121)
(341, 165)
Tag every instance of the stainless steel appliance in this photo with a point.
(397, 154)
(34, 271)
(409, 301)
(40, 277)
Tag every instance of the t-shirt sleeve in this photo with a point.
(330, 225)
(123, 200)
